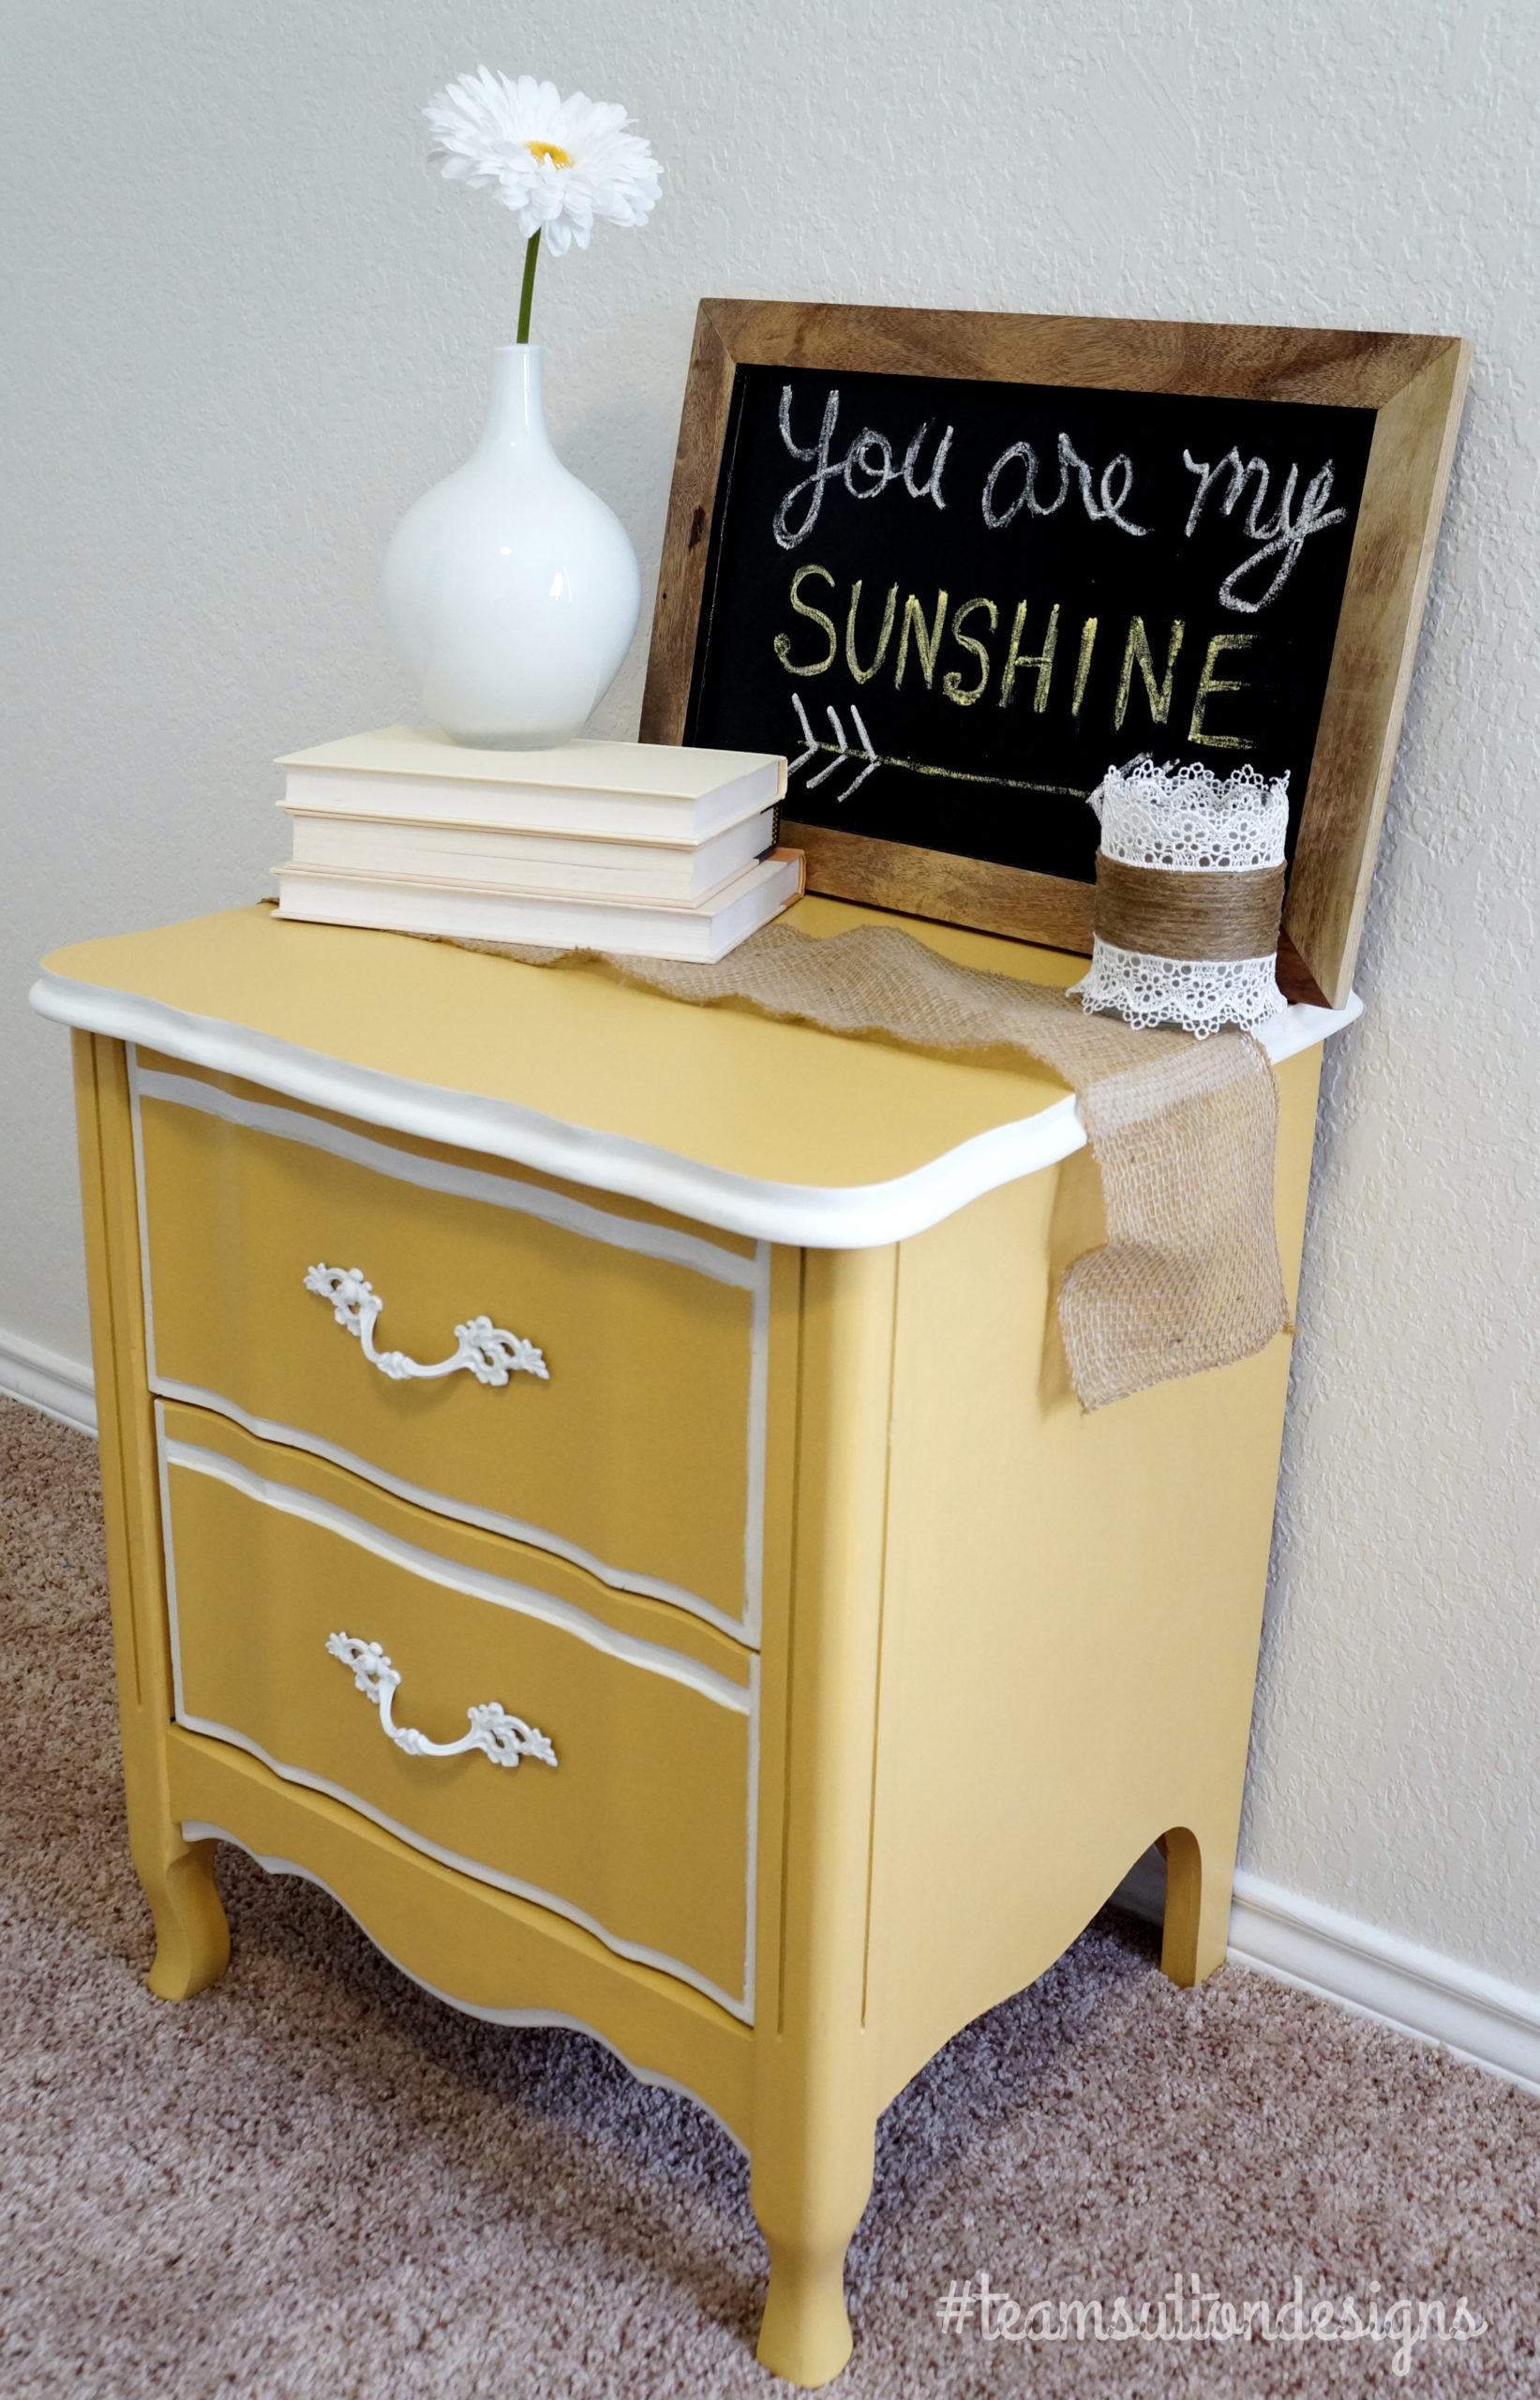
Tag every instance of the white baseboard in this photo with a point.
(60, 1386)
(1492, 2024)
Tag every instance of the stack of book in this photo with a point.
(623, 846)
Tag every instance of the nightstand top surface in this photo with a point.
(761, 1126)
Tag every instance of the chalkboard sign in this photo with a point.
(954, 598)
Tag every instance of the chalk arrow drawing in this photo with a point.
(845, 754)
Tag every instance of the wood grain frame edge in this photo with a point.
(945, 889)
(1321, 365)
(1334, 854)
(687, 531)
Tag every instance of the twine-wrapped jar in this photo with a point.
(1188, 892)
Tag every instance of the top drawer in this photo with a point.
(638, 1452)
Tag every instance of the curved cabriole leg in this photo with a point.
(1198, 1892)
(192, 1938)
(805, 2336)
(807, 2211)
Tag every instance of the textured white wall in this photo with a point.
(245, 327)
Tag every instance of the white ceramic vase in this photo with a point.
(511, 589)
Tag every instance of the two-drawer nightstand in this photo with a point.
(593, 1482)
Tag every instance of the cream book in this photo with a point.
(604, 868)
(702, 932)
(639, 791)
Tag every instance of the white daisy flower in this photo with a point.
(557, 164)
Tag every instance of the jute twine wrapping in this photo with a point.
(1183, 1133)
(1177, 912)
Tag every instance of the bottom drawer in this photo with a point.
(536, 1745)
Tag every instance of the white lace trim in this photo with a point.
(1199, 993)
(1190, 818)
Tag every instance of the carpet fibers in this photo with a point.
(313, 2179)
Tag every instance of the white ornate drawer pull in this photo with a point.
(491, 1355)
(506, 1739)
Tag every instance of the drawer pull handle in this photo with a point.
(491, 1355)
(506, 1739)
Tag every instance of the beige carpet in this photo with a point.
(314, 2180)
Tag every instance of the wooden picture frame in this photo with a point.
(1416, 383)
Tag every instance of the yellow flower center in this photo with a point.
(548, 152)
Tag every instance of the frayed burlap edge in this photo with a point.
(1183, 1133)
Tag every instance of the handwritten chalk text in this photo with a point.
(1020, 489)
(1011, 657)
(866, 469)
(1282, 537)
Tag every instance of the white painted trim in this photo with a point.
(463, 1512)
(637, 1952)
(750, 1274)
(199, 1829)
(167, 1553)
(815, 1217)
(524, 1600)
(1487, 2022)
(45, 1379)
(458, 1182)
(744, 1701)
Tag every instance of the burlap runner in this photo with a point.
(1185, 1132)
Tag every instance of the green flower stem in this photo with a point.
(531, 259)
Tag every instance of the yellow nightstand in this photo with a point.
(593, 1483)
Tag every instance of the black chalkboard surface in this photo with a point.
(953, 565)
(955, 603)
